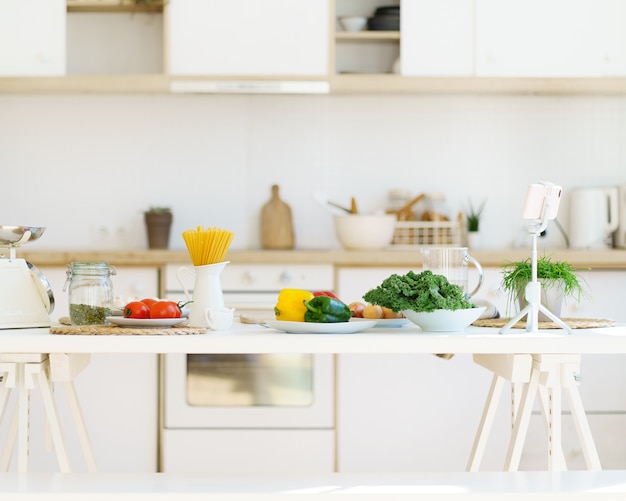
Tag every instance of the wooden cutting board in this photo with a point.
(276, 223)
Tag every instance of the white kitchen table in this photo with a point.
(246, 338)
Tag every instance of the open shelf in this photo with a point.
(112, 6)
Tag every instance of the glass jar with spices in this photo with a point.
(90, 292)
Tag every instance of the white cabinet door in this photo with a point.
(437, 38)
(248, 37)
(32, 37)
(550, 38)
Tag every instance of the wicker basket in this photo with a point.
(422, 233)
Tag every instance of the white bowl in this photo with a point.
(353, 23)
(444, 320)
(365, 232)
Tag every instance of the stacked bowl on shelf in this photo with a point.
(385, 19)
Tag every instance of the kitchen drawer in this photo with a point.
(260, 451)
(260, 278)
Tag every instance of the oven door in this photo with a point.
(204, 391)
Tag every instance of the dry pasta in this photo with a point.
(207, 245)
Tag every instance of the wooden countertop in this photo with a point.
(608, 259)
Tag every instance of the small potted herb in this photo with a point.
(473, 224)
(473, 216)
(158, 224)
(559, 281)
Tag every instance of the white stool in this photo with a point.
(24, 372)
(530, 374)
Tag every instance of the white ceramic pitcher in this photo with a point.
(207, 292)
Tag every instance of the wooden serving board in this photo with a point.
(276, 223)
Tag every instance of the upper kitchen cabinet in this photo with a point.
(32, 37)
(135, 49)
(372, 50)
(556, 38)
(248, 38)
(437, 38)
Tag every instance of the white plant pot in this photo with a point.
(551, 297)
(474, 240)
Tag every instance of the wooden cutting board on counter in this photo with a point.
(276, 223)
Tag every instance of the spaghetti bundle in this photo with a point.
(207, 246)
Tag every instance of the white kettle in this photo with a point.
(593, 217)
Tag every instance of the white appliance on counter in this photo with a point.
(249, 413)
(620, 233)
(594, 217)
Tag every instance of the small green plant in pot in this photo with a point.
(559, 281)
(473, 216)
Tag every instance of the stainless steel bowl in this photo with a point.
(13, 236)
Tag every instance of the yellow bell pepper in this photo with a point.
(290, 305)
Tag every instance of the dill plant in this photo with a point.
(515, 276)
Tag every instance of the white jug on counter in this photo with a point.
(593, 217)
(207, 301)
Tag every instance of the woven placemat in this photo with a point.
(118, 330)
(572, 323)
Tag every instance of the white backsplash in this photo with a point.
(86, 166)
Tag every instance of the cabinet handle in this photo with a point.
(249, 278)
(285, 277)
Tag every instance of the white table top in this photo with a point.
(245, 338)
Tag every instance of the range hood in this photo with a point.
(192, 86)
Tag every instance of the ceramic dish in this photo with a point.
(444, 320)
(146, 322)
(354, 325)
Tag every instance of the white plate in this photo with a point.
(392, 322)
(146, 322)
(354, 325)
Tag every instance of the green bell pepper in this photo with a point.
(325, 309)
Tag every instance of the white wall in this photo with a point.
(86, 166)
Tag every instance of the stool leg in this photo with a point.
(546, 410)
(79, 422)
(518, 434)
(556, 458)
(53, 420)
(486, 422)
(23, 425)
(9, 447)
(582, 425)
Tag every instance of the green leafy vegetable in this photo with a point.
(419, 292)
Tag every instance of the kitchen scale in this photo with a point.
(26, 298)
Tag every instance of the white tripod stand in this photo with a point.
(542, 204)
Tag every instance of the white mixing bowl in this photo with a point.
(365, 232)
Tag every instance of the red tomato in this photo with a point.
(165, 309)
(136, 309)
(149, 301)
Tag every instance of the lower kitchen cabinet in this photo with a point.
(421, 413)
(117, 394)
(248, 450)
